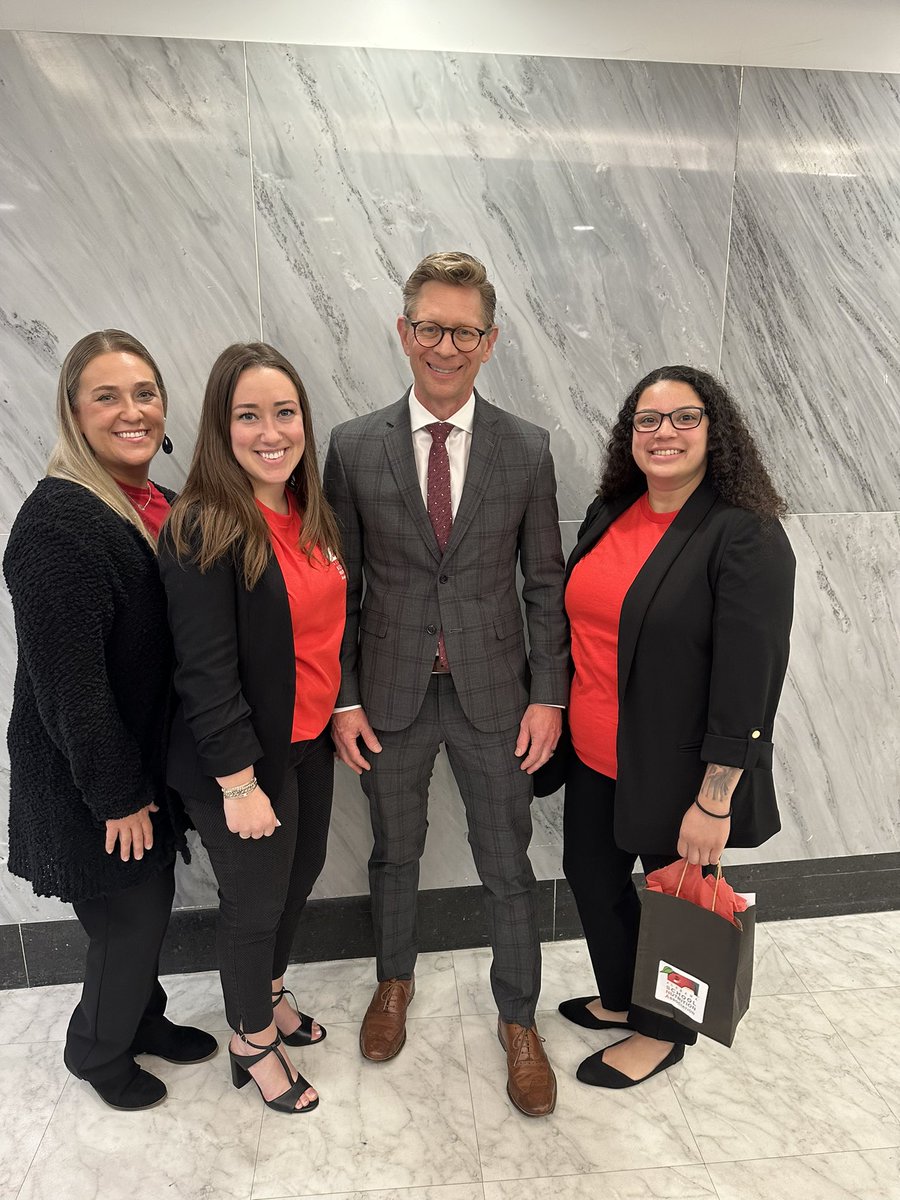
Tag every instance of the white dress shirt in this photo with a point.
(459, 443)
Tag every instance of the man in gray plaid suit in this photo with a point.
(440, 496)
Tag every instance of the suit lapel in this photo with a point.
(482, 455)
(399, 449)
(639, 595)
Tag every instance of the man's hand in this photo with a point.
(134, 834)
(346, 728)
(538, 734)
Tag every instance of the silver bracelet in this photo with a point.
(242, 789)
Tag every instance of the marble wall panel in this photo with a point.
(812, 327)
(127, 197)
(125, 200)
(837, 738)
(598, 193)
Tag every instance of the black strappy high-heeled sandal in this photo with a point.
(287, 1101)
(302, 1035)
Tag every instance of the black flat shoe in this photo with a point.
(600, 1074)
(132, 1092)
(174, 1043)
(578, 1013)
(302, 1035)
(287, 1101)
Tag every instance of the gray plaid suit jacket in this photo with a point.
(507, 516)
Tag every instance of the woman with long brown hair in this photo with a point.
(679, 594)
(90, 820)
(250, 558)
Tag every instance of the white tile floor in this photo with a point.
(805, 1105)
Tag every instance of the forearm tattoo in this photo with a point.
(719, 782)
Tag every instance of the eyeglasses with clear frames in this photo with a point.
(464, 337)
(648, 420)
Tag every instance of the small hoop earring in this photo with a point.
(167, 446)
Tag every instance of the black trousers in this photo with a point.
(264, 884)
(122, 993)
(599, 874)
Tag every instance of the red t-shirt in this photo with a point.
(153, 513)
(594, 595)
(317, 594)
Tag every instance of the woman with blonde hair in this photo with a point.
(90, 820)
(250, 561)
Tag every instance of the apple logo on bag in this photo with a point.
(681, 990)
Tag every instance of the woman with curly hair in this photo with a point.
(679, 594)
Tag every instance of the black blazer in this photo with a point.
(234, 674)
(702, 654)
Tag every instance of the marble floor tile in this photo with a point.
(831, 953)
(33, 1079)
(453, 1191)
(404, 1123)
(196, 999)
(566, 972)
(591, 1130)
(866, 1175)
(787, 1086)
(668, 1183)
(200, 1143)
(341, 991)
(38, 1014)
(869, 1023)
(773, 975)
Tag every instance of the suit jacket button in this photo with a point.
(755, 733)
(432, 629)
(444, 578)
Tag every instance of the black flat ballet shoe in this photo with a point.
(578, 1013)
(287, 1101)
(174, 1043)
(131, 1092)
(302, 1035)
(600, 1074)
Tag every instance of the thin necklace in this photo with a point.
(142, 507)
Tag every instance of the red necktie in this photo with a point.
(440, 505)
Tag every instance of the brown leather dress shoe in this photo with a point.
(532, 1084)
(383, 1029)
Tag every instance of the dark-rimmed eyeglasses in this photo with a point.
(430, 334)
(648, 420)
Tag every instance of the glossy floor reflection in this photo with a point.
(806, 1104)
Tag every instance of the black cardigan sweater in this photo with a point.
(92, 694)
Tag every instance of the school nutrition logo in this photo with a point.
(681, 990)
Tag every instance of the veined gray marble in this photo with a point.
(128, 196)
(598, 194)
(812, 329)
(125, 200)
(837, 740)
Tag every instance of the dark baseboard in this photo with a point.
(46, 952)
